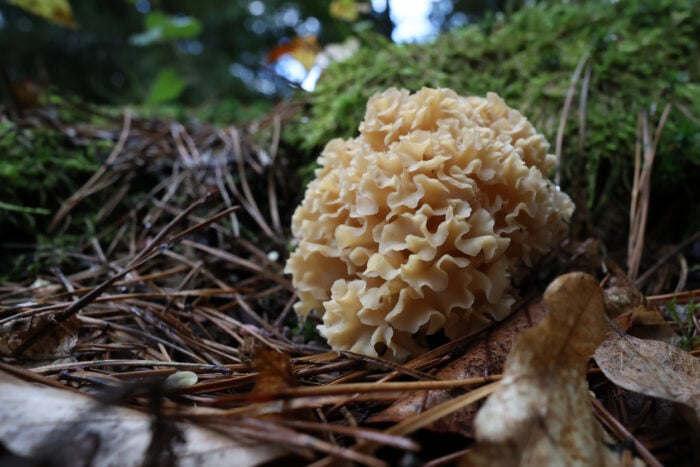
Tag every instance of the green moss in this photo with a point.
(642, 54)
(683, 318)
(39, 166)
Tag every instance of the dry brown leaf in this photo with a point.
(54, 347)
(541, 415)
(650, 323)
(274, 373)
(620, 294)
(652, 368)
(629, 309)
(69, 428)
(484, 358)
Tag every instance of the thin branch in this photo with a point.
(642, 192)
(565, 114)
(621, 432)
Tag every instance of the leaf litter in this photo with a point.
(540, 414)
(173, 320)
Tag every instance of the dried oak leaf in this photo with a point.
(486, 357)
(652, 368)
(540, 415)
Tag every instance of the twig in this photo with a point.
(145, 255)
(621, 432)
(283, 396)
(360, 433)
(271, 190)
(88, 187)
(115, 362)
(679, 297)
(423, 419)
(641, 193)
(247, 200)
(565, 114)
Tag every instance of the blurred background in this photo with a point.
(231, 58)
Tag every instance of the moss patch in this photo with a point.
(40, 166)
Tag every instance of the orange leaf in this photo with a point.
(301, 48)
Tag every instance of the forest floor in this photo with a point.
(167, 333)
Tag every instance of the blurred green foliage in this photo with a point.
(186, 52)
(166, 86)
(161, 28)
(642, 55)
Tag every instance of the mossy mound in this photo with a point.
(642, 55)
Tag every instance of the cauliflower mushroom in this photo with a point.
(421, 222)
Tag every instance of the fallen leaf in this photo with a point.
(630, 311)
(650, 323)
(54, 347)
(274, 373)
(620, 294)
(652, 368)
(65, 427)
(27, 93)
(56, 11)
(541, 414)
(486, 357)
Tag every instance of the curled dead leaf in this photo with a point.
(541, 415)
(620, 294)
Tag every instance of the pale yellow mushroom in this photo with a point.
(421, 222)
